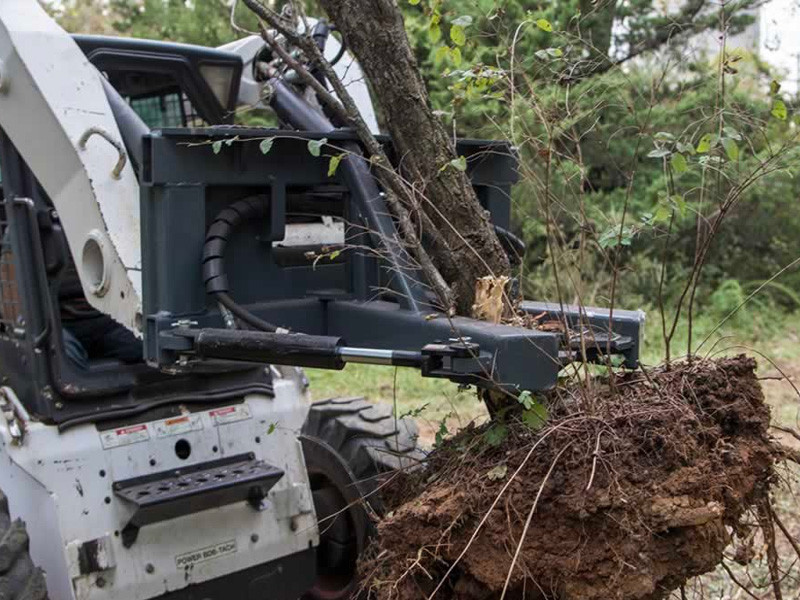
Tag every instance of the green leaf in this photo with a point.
(704, 145)
(555, 52)
(333, 165)
(455, 56)
(458, 35)
(664, 136)
(497, 473)
(334, 255)
(441, 432)
(536, 417)
(731, 149)
(685, 148)
(774, 87)
(442, 52)
(216, 146)
(662, 214)
(611, 237)
(544, 25)
(679, 203)
(413, 2)
(229, 141)
(434, 33)
(779, 110)
(658, 153)
(496, 434)
(463, 21)
(272, 428)
(679, 164)
(526, 399)
(459, 164)
(315, 146)
(266, 145)
(732, 133)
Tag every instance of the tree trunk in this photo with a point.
(375, 33)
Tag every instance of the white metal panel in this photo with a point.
(52, 96)
(59, 482)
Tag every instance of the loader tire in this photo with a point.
(370, 439)
(348, 445)
(19, 578)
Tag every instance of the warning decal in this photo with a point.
(124, 436)
(188, 559)
(178, 425)
(230, 414)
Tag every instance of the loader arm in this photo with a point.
(54, 109)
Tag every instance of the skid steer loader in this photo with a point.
(165, 275)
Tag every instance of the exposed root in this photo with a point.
(671, 475)
(764, 515)
(786, 453)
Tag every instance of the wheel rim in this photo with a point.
(343, 522)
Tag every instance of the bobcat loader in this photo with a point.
(164, 276)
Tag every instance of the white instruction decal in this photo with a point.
(124, 436)
(178, 425)
(188, 559)
(230, 414)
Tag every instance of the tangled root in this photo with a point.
(628, 491)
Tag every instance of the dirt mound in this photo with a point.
(625, 493)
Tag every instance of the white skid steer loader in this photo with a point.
(239, 469)
(165, 274)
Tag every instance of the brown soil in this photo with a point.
(648, 483)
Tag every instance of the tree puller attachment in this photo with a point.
(164, 275)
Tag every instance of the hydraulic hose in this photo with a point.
(217, 237)
(243, 314)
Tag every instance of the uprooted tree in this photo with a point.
(632, 484)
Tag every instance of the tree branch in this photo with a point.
(347, 110)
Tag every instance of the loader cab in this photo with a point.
(168, 84)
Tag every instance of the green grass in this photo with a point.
(432, 399)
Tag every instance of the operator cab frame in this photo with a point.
(168, 84)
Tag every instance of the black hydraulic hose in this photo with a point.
(243, 314)
(217, 237)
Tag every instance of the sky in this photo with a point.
(780, 38)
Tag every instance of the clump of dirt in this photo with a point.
(626, 492)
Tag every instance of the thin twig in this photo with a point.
(529, 519)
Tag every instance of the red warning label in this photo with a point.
(124, 436)
(230, 414)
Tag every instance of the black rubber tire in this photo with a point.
(19, 578)
(369, 438)
(349, 444)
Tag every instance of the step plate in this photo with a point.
(179, 492)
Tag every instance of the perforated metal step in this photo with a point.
(177, 492)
